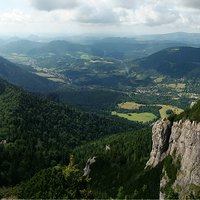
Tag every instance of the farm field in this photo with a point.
(139, 111)
(178, 86)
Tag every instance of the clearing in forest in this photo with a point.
(130, 105)
(138, 117)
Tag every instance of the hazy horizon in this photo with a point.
(97, 35)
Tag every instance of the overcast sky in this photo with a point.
(117, 17)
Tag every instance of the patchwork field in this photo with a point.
(177, 86)
(145, 113)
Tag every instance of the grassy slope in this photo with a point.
(130, 105)
(139, 117)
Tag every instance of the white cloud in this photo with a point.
(146, 12)
(154, 13)
(14, 16)
(157, 14)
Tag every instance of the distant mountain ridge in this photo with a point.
(57, 47)
(20, 46)
(190, 38)
(110, 47)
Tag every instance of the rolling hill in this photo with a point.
(19, 46)
(176, 62)
(16, 75)
(129, 48)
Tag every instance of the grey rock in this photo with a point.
(87, 169)
(163, 183)
(182, 141)
(185, 147)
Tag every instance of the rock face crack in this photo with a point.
(160, 138)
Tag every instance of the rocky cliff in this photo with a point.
(177, 145)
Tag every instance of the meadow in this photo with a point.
(139, 117)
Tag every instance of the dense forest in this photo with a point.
(36, 133)
(59, 182)
(119, 171)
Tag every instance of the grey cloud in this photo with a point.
(131, 4)
(164, 16)
(191, 3)
(87, 14)
(49, 5)
(162, 21)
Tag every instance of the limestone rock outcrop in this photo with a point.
(181, 140)
(185, 145)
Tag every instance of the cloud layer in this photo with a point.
(145, 12)
(136, 15)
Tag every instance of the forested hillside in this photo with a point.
(119, 170)
(14, 74)
(36, 133)
(176, 62)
